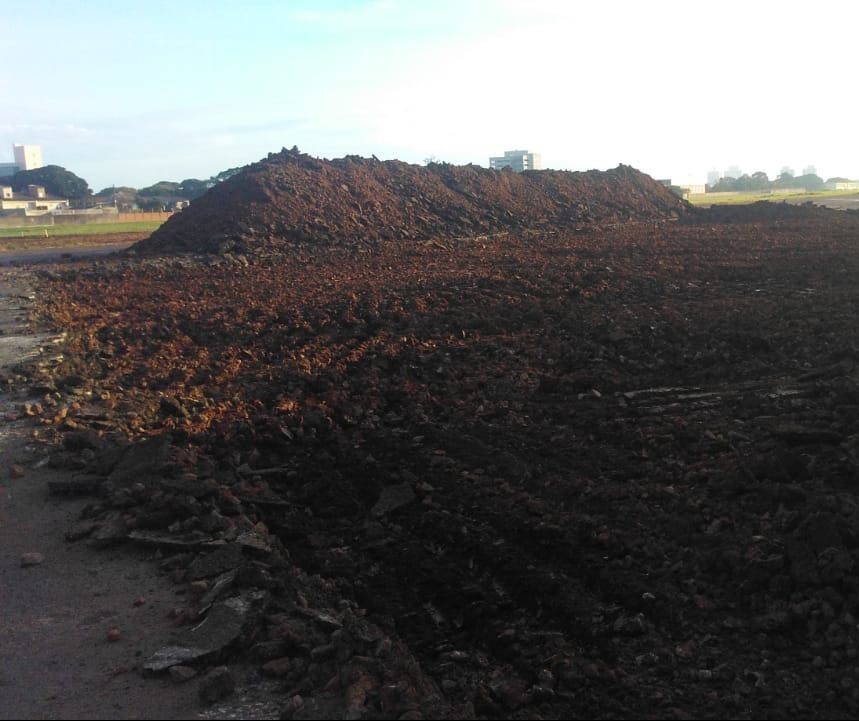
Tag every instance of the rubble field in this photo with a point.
(607, 472)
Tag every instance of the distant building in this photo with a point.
(809, 170)
(693, 188)
(841, 184)
(733, 172)
(713, 177)
(34, 202)
(517, 160)
(28, 157)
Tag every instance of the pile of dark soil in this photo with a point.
(291, 196)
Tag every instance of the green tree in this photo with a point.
(785, 179)
(744, 183)
(760, 181)
(191, 188)
(56, 180)
(123, 197)
(112, 190)
(161, 188)
(810, 181)
(228, 173)
(725, 185)
(145, 203)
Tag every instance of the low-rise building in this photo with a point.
(841, 184)
(34, 202)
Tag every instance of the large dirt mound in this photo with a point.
(291, 196)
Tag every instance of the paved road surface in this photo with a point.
(843, 202)
(55, 660)
(50, 255)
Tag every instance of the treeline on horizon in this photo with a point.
(760, 181)
(62, 183)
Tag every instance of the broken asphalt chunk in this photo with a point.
(225, 623)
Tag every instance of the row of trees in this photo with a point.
(62, 183)
(56, 180)
(161, 195)
(760, 182)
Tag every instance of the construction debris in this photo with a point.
(609, 472)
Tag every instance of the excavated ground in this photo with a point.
(603, 474)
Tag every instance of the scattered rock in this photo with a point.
(217, 684)
(80, 530)
(222, 626)
(392, 498)
(181, 674)
(142, 461)
(225, 558)
(28, 560)
(111, 530)
(277, 667)
(73, 486)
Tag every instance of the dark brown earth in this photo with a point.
(605, 473)
(292, 197)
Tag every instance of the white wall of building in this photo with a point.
(519, 160)
(28, 157)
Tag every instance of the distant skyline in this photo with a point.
(135, 93)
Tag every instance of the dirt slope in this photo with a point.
(291, 196)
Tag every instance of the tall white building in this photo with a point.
(28, 157)
(517, 160)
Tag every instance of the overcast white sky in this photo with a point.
(135, 92)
